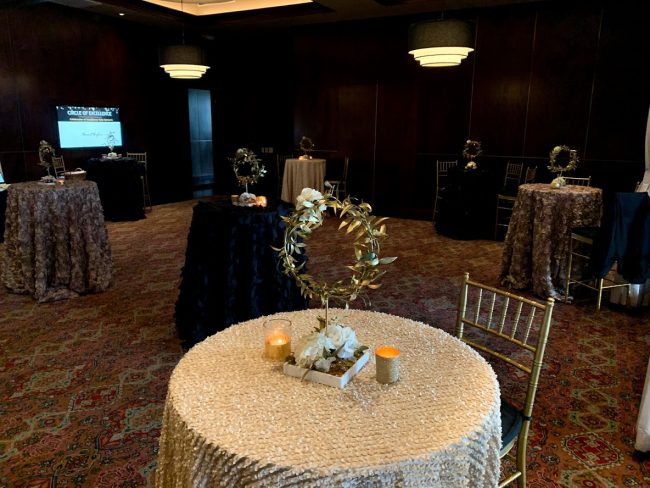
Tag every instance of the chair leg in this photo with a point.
(568, 272)
(522, 443)
(600, 294)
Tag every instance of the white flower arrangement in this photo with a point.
(331, 348)
(471, 165)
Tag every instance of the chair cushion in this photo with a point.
(587, 232)
(511, 421)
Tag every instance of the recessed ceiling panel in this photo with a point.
(213, 7)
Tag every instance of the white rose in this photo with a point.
(310, 349)
(307, 195)
(344, 339)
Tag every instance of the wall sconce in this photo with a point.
(183, 62)
(440, 43)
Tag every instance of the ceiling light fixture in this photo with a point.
(183, 61)
(439, 43)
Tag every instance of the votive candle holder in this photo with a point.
(277, 339)
(387, 363)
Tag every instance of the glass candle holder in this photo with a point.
(387, 362)
(261, 201)
(277, 339)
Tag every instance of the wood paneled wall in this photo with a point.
(547, 73)
(52, 55)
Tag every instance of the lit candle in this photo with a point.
(261, 201)
(387, 359)
(277, 339)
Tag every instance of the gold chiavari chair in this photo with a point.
(442, 170)
(512, 331)
(141, 157)
(339, 188)
(58, 165)
(512, 178)
(506, 202)
(570, 180)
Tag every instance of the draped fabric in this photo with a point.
(56, 245)
(625, 238)
(231, 273)
(537, 243)
(233, 419)
(302, 173)
(120, 187)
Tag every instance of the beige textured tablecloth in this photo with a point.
(302, 173)
(56, 245)
(537, 243)
(233, 419)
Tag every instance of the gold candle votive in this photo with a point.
(277, 339)
(387, 361)
(261, 201)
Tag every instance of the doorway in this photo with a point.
(200, 114)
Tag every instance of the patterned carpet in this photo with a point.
(83, 381)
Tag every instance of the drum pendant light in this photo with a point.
(183, 61)
(439, 43)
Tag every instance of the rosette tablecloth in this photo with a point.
(537, 243)
(233, 419)
(56, 245)
(302, 173)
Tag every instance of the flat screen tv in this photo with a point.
(88, 126)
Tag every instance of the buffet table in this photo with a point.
(56, 245)
(120, 187)
(231, 272)
(232, 418)
(537, 243)
(302, 173)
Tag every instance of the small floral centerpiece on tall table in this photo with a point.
(248, 170)
(306, 146)
(45, 155)
(471, 150)
(331, 354)
(571, 163)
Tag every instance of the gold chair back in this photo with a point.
(141, 157)
(570, 180)
(512, 330)
(513, 174)
(339, 188)
(58, 165)
(442, 170)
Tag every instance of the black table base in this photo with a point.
(120, 187)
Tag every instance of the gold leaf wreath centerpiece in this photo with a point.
(471, 150)
(332, 347)
(248, 170)
(555, 167)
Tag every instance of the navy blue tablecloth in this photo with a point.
(231, 273)
(120, 187)
(467, 205)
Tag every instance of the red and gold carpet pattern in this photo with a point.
(83, 381)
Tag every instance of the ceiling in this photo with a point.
(303, 12)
